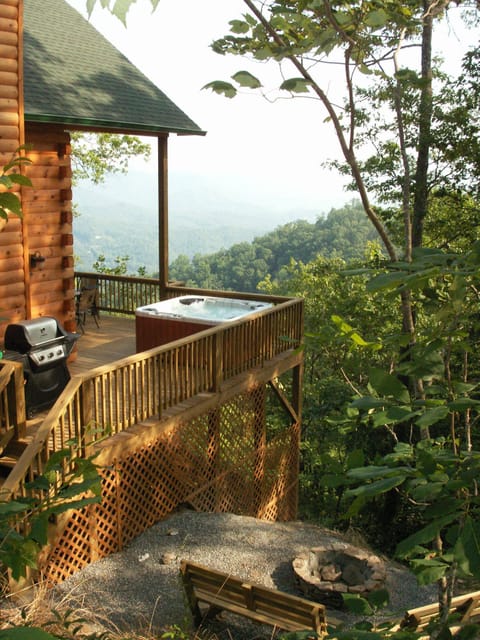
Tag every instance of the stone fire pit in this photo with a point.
(325, 573)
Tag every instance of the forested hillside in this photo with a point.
(343, 233)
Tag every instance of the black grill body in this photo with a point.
(42, 346)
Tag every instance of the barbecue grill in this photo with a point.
(42, 346)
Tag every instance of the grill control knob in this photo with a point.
(41, 357)
(51, 354)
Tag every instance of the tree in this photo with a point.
(343, 233)
(94, 155)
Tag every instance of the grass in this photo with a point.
(68, 620)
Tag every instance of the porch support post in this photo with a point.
(260, 445)
(163, 213)
(297, 401)
(213, 457)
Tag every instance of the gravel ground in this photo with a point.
(139, 588)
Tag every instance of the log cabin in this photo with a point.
(210, 415)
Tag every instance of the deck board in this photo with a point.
(113, 340)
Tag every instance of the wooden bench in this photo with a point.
(462, 609)
(223, 592)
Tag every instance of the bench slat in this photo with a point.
(466, 606)
(224, 592)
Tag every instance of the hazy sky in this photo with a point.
(263, 147)
(273, 150)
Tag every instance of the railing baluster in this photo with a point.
(147, 384)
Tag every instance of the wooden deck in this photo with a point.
(114, 340)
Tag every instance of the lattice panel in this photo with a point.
(71, 551)
(106, 532)
(220, 461)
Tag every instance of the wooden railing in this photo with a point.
(124, 294)
(12, 402)
(115, 397)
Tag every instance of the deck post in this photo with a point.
(260, 443)
(16, 399)
(213, 451)
(86, 414)
(163, 214)
(297, 399)
(218, 363)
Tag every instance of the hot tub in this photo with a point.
(169, 320)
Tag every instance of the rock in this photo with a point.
(168, 558)
(352, 575)
(331, 572)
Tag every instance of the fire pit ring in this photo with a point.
(325, 572)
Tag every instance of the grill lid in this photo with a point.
(27, 334)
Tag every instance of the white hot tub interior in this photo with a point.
(203, 308)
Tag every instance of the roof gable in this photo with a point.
(73, 75)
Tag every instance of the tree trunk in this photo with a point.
(424, 128)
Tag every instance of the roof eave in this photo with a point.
(103, 125)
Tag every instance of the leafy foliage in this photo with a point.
(95, 155)
(344, 232)
(119, 268)
(24, 519)
(10, 202)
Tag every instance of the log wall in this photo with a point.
(12, 272)
(47, 208)
(46, 229)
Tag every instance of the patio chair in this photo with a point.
(87, 303)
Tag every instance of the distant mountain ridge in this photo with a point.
(119, 218)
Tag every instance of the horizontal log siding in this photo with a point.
(48, 217)
(12, 275)
(145, 386)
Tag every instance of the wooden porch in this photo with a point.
(114, 340)
(183, 422)
(115, 388)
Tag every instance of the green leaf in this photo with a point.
(12, 508)
(356, 604)
(376, 19)
(467, 548)
(18, 178)
(355, 458)
(239, 26)
(424, 535)
(39, 530)
(462, 404)
(400, 414)
(296, 85)
(430, 574)
(373, 472)
(386, 281)
(120, 9)
(378, 598)
(220, 87)
(386, 384)
(376, 488)
(368, 402)
(10, 202)
(432, 416)
(246, 79)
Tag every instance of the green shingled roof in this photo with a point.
(75, 76)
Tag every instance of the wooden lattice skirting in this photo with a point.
(218, 462)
